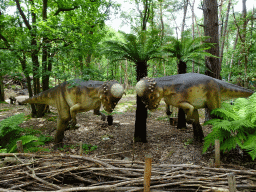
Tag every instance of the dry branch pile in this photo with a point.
(65, 173)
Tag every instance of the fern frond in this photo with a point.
(26, 139)
(225, 114)
(250, 145)
(10, 124)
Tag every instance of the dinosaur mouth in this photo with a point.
(152, 108)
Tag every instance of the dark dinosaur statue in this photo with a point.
(190, 91)
(77, 96)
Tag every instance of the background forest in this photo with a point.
(48, 42)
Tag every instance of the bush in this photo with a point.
(11, 132)
(235, 126)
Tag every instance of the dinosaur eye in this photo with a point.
(151, 97)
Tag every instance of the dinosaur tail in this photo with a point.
(230, 91)
(45, 97)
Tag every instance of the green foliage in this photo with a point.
(89, 148)
(27, 142)
(235, 126)
(10, 129)
(138, 48)
(188, 49)
(11, 132)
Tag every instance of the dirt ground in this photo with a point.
(166, 143)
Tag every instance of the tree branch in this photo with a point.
(65, 9)
(23, 15)
(5, 41)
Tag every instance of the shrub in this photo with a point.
(234, 126)
(11, 132)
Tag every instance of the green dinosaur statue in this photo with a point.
(190, 91)
(77, 96)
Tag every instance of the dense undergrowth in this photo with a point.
(235, 126)
(11, 132)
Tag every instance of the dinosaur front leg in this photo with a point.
(97, 112)
(189, 109)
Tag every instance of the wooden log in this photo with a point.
(231, 182)
(19, 146)
(217, 153)
(80, 148)
(147, 172)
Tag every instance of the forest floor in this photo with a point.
(166, 143)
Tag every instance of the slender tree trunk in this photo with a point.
(142, 71)
(184, 15)
(182, 68)
(1, 88)
(220, 18)
(244, 14)
(140, 134)
(193, 30)
(126, 80)
(161, 18)
(224, 33)
(232, 58)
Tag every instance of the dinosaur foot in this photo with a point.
(72, 125)
(190, 121)
(110, 120)
(58, 145)
(103, 117)
(198, 133)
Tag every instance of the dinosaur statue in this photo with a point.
(190, 91)
(77, 96)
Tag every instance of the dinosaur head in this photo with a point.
(111, 93)
(150, 92)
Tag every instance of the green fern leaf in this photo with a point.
(26, 139)
(225, 114)
(250, 145)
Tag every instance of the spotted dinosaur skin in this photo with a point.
(77, 96)
(190, 91)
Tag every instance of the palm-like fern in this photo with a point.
(188, 49)
(237, 126)
(138, 49)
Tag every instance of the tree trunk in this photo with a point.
(211, 29)
(161, 19)
(224, 33)
(193, 30)
(244, 14)
(126, 80)
(232, 58)
(182, 68)
(1, 88)
(184, 15)
(140, 134)
(25, 71)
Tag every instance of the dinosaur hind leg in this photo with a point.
(197, 128)
(213, 102)
(62, 124)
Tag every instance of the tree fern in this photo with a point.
(237, 126)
